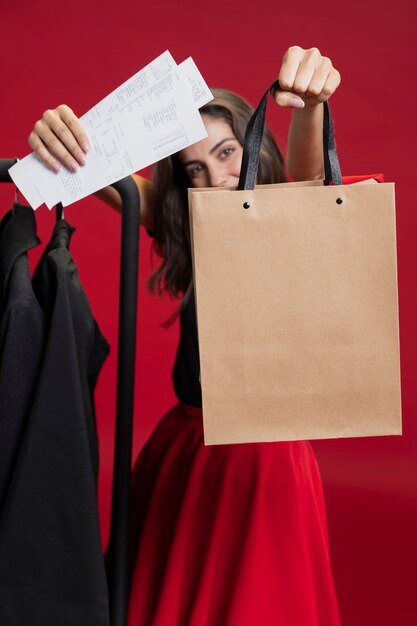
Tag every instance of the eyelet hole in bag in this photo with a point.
(246, 205)
(339, 200)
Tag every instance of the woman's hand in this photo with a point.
(306, 77)
(59, 138)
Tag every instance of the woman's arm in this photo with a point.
(304, 158)
(307, 79)
(60, 139)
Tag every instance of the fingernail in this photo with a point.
(82, 159)
(85, 147)
(297, 103)
(56, 167)
(74, 167)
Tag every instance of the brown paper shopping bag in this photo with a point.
(296, 302)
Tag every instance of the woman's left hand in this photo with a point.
(306, 77)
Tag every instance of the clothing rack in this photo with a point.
(118, 549)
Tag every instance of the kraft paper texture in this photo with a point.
(297, 312)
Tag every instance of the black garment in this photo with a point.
(22, 336)
(51, 562)
(186, 370)
(95, 345)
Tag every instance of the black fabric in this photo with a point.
(90, 339)
(22, 336)
(186, 370)
(332, 170)
(51, 562)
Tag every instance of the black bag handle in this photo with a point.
(253, 140)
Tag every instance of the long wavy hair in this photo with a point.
(170, 183)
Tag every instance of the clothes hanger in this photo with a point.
(59, 210)
(5, 165)
(16, 202)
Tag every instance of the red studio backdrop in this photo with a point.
(78, 52)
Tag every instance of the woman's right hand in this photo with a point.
(59, 138)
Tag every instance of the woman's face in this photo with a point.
(216, 160)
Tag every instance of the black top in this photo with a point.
(186, 370)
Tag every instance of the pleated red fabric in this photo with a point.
(227, 535)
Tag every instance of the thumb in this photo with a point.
(288, 99)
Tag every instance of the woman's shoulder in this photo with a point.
(146, 192)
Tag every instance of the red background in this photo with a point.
(78, 52)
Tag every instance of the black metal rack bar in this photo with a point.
(118, 549)
(5, 165)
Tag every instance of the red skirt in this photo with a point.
(230, 535)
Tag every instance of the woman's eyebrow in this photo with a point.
(220, 143)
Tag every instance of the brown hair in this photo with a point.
(170, 183)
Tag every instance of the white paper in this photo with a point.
(151, 116)
(25, 184)
(201, 93)
(43, 179)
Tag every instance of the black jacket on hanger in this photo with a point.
(91, 346)
(22, 336)
(51, 562)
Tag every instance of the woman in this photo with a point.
(222, 535)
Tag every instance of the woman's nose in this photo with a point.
(218, 178)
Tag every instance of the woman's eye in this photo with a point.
(194, 171)
(226, 152)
